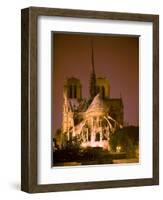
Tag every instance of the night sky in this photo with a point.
(115, 58)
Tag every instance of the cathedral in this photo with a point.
(90, 120)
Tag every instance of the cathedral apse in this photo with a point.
(90, 125)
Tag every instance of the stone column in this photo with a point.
(73, 131)
(92, 122)
(92, 131)
(68, 135)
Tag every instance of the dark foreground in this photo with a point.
(89, 156)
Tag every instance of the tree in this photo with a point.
(57, 138)
(127, 139)
(73, 144)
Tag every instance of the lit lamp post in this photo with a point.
(118, 149)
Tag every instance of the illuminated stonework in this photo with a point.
(90, 120)
(91, 123)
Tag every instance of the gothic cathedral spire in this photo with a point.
(92, 87)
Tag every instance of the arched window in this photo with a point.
(103, 92)
(97, 89)
(75, 92)
(97, 137)
(89, 135)
(70, 91)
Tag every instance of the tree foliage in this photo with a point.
(127, 139)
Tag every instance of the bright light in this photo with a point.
(118, 149)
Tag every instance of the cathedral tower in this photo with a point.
(72, 91)
(103, 87)
(73, 88)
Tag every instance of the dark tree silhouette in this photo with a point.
(127, 138)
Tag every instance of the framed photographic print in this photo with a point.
(90, 99)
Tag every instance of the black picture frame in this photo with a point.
(29, 97)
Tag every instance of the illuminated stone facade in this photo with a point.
(90, 120)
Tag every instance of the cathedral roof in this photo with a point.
(77, 105)
(97, 104)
